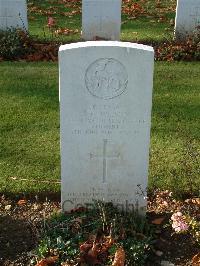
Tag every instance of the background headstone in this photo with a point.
(105, 105)
(101, 19)
(13, 13)
(187, 18)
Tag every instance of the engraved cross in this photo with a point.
(105, 157)
(101, 19)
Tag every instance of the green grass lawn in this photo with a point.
(39, 11)
(29, 127)
(29, 124)
(150, 20)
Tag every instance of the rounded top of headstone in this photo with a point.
(106, 44)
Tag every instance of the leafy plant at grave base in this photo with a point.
(101, 235)
(14, 43)
(184, 223)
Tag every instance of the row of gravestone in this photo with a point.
(105, 120)
(102, 18)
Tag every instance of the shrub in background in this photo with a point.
(185, 50)
(14, 43)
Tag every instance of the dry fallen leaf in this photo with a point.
(8, 207)
(119, 259)
(22, 202)
(158, 221)
(42, 263)
(196, 260)
(48, 261)
(93, 251)
(85, 247)
(196, 201)
(66, 264)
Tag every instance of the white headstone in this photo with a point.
(101, 19)
(105, 106)
(13, 13)
(187, 18)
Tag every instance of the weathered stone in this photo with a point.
(105, 105)
(101, 19)
(187, 18)
(13, 14)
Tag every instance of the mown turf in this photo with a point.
(175, 142)
(29, 127)
(38, 13)
(29, 124)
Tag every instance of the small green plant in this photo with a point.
(14, 43)
(101, 235)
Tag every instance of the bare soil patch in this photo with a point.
(21, 222)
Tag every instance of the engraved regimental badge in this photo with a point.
(106, 78)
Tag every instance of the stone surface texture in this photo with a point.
(187, 18)
(105, 112)
(13, 13)
(101, 19)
